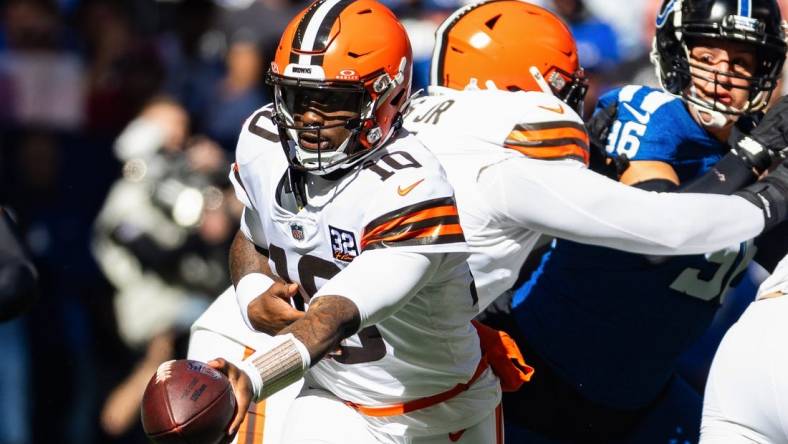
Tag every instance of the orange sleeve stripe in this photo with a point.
(429, 232)
(520, 135)
(418, 216)
(554, 152)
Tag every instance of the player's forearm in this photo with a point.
(251, 277)
(585, 207)
(328, 320)
(727, 176)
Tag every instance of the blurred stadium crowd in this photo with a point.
(118, 120)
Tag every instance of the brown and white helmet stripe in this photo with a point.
(311, 38)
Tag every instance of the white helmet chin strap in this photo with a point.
(707, 115)
(710, 118)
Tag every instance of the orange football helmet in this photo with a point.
(347, 55)
(500, 41)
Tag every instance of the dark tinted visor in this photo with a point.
(298, 100)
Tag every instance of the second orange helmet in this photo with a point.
(500, 41)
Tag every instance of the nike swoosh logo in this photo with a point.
(558, 110)
(404, 191)
(642, 118)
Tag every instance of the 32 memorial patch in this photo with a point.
(343, 244)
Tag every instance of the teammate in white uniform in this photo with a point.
(361, 216)
(746, 398)
(516, 155)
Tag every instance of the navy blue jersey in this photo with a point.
(614, 323)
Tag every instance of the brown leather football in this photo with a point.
(187, 402)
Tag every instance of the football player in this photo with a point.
(359, 214)
(605, 328)
(745, 393)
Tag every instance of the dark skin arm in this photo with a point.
(329, 320)
(271, 311)
(245, 258)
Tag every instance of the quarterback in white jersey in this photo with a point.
(359, 214)
(398, 201)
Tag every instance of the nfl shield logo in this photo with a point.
(297, 231)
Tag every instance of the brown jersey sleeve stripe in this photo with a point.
(417, 241)
(553, 124)
(433, 227)
(396, 224)
(536, 137)
(421, 224)
(570, 151)
(413, 227)
(432, 204)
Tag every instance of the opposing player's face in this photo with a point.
(721, 71)
(328, 112)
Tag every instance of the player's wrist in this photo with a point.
(254, 378)
(248, 289)
(752, 152)
(770, 195)
(277, 367)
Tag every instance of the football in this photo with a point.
(187, 402)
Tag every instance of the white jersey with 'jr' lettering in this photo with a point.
(517, 162)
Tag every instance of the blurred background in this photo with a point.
(118, 120)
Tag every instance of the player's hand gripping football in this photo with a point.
(242, 388)
(271, 311)
(766, 142)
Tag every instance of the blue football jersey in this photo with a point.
(614, 323)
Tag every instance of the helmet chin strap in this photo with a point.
(708, 117)
(539, 79)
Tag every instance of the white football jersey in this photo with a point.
(397, 199)
(471, 130)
